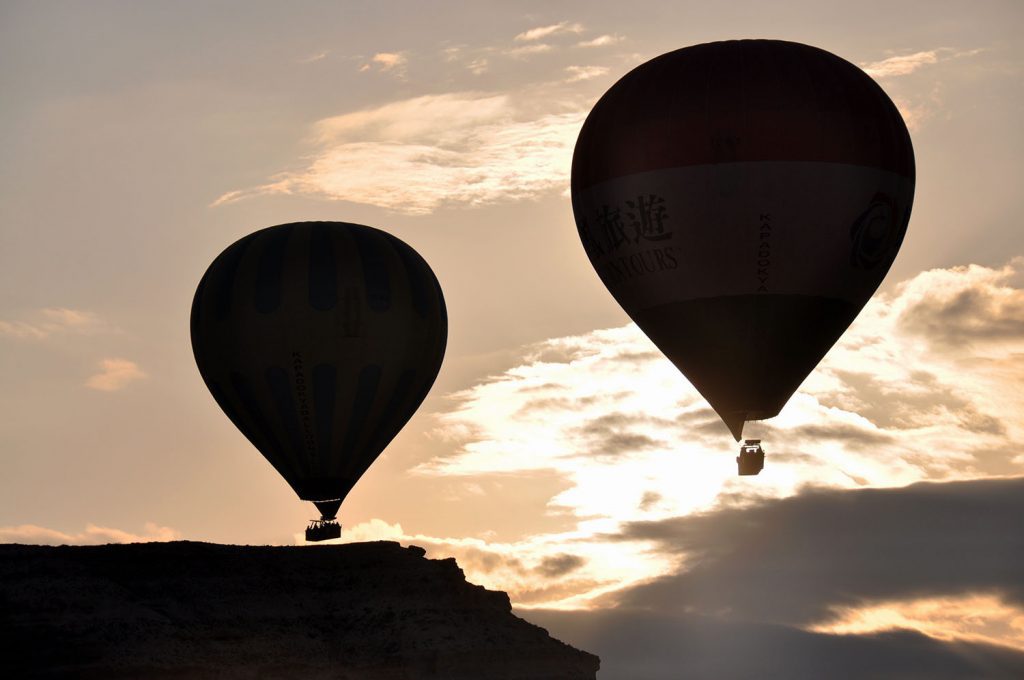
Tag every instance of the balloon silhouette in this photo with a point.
(742, 201)
(319, 340)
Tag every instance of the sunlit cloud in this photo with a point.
(394, 62)
(971, 305)
(901, 65)
(550, 30)
(472, 59)
(416, 155)
(564, 570)
(577, 73)
(903, 355)
(921, 103)
(477, 66)
(920, 108)
(923, 577)
(389, 60)
(687, 645)
(115, 374)
(528, 50)
(316, 56)
(92, 535)
(905, 64)
(50, 321)
(971, 617)
(601, 41)
(799, 560)
(924, 386)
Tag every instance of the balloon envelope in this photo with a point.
(319, 340)
(742, 201)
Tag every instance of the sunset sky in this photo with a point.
(559, 456)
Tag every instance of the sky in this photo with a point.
(559, 456)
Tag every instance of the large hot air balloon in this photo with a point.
(319, 340)
(742, 201)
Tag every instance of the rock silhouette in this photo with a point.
(361, 611)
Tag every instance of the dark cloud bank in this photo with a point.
(755, 575)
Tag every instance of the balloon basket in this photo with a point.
(751, 458)
(322, 530)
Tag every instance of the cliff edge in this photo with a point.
(360, 611)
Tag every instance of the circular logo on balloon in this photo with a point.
(875, 233)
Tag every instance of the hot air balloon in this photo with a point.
(742, 201)
(319, 340)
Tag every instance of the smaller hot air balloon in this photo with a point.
(319, 340)
(742, 201)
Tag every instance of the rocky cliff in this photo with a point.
(362, 611)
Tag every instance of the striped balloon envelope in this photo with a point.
(742, 201)
(319, 340)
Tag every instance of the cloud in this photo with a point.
(527, 50)
(316, 56)
(849, 433)
(917, 104)
(417, 155)
(906, 64)
(600, 41)
(389, 61)
(978, 618)
(476, 60)
(649, 500)
(901, 65)
(554, 570)
(550, 30)
(560, 565)
(577, 73)
(922, 581)
(921, 107)
(93, 535)
(796, 560)
(910, 391)
(478, 66)
(967, 305)
(114, 375)
(645, 645)
(617, 434)
(473, 59)
(631, 440)
(51, 321)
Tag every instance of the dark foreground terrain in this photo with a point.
(362, 611)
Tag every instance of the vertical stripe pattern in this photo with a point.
(271, 270)
(323, 270)
(319, 340)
